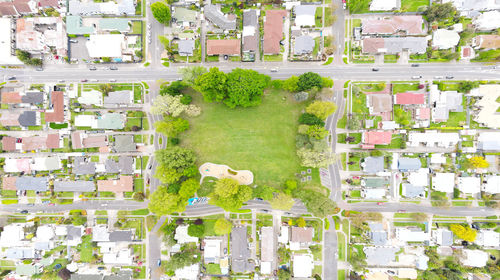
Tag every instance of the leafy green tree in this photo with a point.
(264, 192)
(464, 233)
(438, 12)
(167, 175)
(223, 226)
(321, 109)
(290, 186)
(105, 88)
(164, 203)
(282, 201)
(309, 80)
(316, 159)
(229, 194)
(316, 203)
(245, 87)
(167, 104)
(196, 230)
(327, 82)
(175, 88)
(176, 158)
(301, 222)
(467, 86)
(283, 254)
(284, 274)
(188, 188)
(317, 132)
(161, 12)
(188, 255)
(212, 85)
(165, 42)
(291, 84)
(310, 119)
(171, 126)
(190, 74)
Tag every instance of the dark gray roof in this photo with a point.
(121, 275)
(29, 183)
(214, 14)
(374, 164)
(121, 235)
(240, 253)
(111, 166)
(121, 97)
(250, 18)
(74, 186)
(412, 191)
(303, 45)
(447, 238)
(406, 164)
(74, 233)
(27, 118)
(125, 143)
(82, 167)
(126, 165)
(378, 238)
(32, 97)
(186, 47)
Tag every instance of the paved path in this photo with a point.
(330, 252)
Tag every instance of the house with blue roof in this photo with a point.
(409, 164)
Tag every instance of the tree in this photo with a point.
(222, 226)
(198, 221)
(263, 192)
(245, 87)
(284, 274)
(164, 203)
(301, 222)
(316, 159)
(282, 201)
(464, 232)
(327, 82)
(310, 119)
(438, 12)
(167, 104)
(138, 196)
(188, 188)
(316, 203)
(283, 255)
(290, 186)
(229, 194)
(105, 88)
(161, 12)
(212, 85)
(165, 42)
(317, 132)
(354, 122)
(419, 217)
(478, 162)
(190, 74)
(321, 109)
(196, 230)
(25, 57)
(176, 158)
(309, 80)
(290, 84)
(175, 88)
(171, 126)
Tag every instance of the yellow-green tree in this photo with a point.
(464, 233)
(282, 201)
(478, 162)
(301, 222)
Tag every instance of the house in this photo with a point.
(302, 266)
(250, 35)
(184, 17)
(124, 7)
(469, 185)
(46, 164)
(186, 47)
(412, 191)
(373, 165)
(419, 178)
(7, 53)
(487, 21)
(474, 5)
(381, 256)
(240, 253)
(74, 186)
(39, 35)
(442, 237)
(91, 97)
(28, 183)
(376, 137)
(229, 47)
(383, 5)
(444, 102)
(56, 113)
(28, 269)
(443, 182)
(487, 103)
(211, 250)
(273, 31)
(31, 143)
(106, 45)
(9, 119)
(444, 39)
(488, 238)
(8, 9)
(432, 139)
(124, 184)
(412, 235)
(373, 193)
(284, 235)
(101, 233)
(213, 14)
(305, 15)
(14, 165)
(267, 249)
(189, 272)
(492, 185)
(182, 236)
(409, 98)
(394, 45)
(486, 42)
(379, 103)
(378, 234)
(83, 166)
(303, 45)
(110, 121)
(16, 96)
(75, 25)
(404, 25)
(29, 118)
(474, 258)
(124, 143)
(406, 164)
(123, 166)
(488, 141)
(12, 235)
(375, 182)
(301, 236)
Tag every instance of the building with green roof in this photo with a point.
(28, 269)
(74, 25)
(111, 121)
(375, 182)
(114, 24)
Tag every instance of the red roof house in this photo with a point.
(11, 98)
(273, 31)
(223, 47)
(57, 114)
(409, 98)
(377, 137)
(8, 143)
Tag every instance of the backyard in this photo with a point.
(260, 139)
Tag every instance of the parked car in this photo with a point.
(449, 77)
(380, 203)
(11, 78)
(415, 65)
(158, 263)
(112, 80)
(24, 212)
(375, 69)
(113, 68)
(438, 77)
(57, 266)
(39, 69)
(416, 77)
(84, 80)
(274, 70)
(92, 68)
(73, 41)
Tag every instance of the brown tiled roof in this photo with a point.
(372, 45)
(302, 235)
(8, 143)
(34, 143)
(273, 31)
(48, 3)
(250, 43)
(22, 6)
(410, 25)
(223, 47)
(9, 119)
(488, 41)
(94, 142)
(11, 98)
(57, 100)
(53, 141)
(7, 9)
(76, 140)
(9, 183)
(124, 184)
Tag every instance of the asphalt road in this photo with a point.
(329, 253)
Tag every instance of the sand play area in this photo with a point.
(219, 171)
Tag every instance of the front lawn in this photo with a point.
(398, 88)
(260, 139)
(213, 268)
(86, 249)
(413, 5)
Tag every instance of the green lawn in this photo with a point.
(319, 17)
(260, 139)
(413, 5)
(341, 274)
(213, 268)
(363, 7)
(398, 88)
(86, 249)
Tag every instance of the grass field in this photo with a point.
(413, 5)
(260, 139)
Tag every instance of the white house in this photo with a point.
(474, 258)
(488, 238)
(487, 21)
(469, 185)
(433, 138)
(302, 266)
(444, 182)
(444, 39)
(492, 185)
(412, 235)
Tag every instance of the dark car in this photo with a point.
(375, 69)
(24, 212)
(57, 266)
(113, 68)
(415, 65)
(158, 263)
(258, 198)
(11, 78)
(101, 268)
